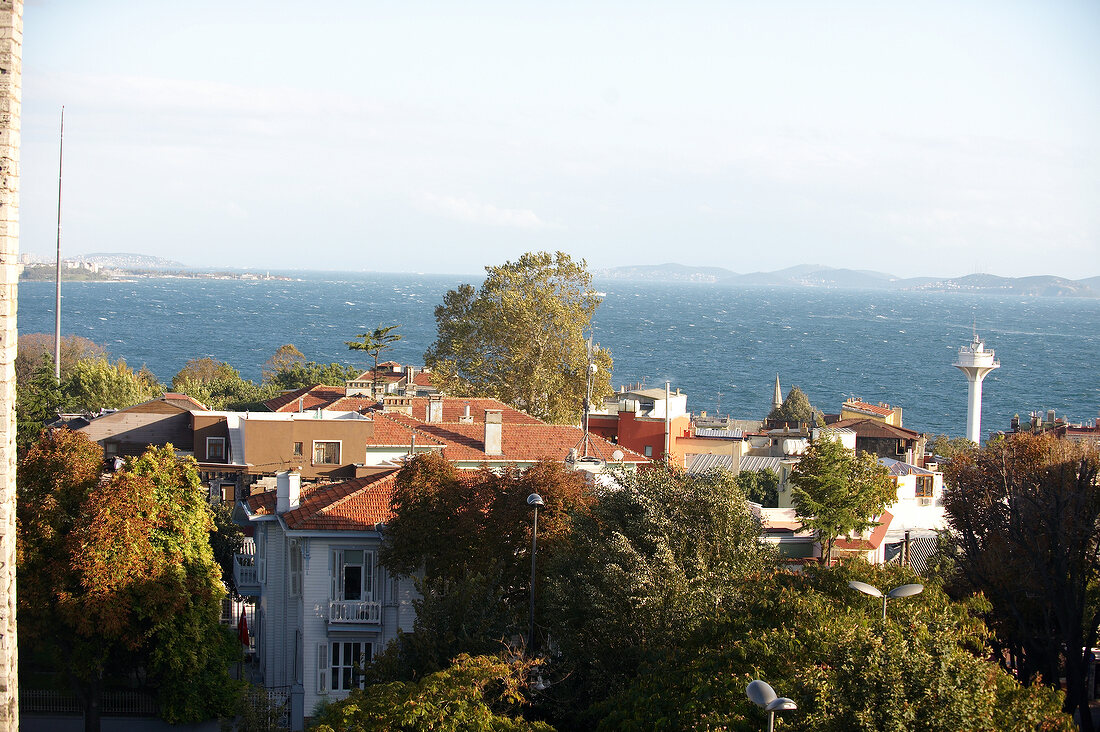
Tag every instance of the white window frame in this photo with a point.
(332, 662)
(367, 580)
(649, 450)
(215, 441)
(339, 451)
(295, 563)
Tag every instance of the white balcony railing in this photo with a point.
(354, 611)
(247, 569)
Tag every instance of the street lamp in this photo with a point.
(763, 695)
(533, 500)
(900, 591)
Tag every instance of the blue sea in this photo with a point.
(722, 345)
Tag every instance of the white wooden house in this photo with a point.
(324, 605)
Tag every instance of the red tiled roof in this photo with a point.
(520, 442)
(352, 404)
(398, 432)
(455, 407)
(867, 427)
(311, 397)
(875, 539)
(883, 410)
(423, 378)
(355, 505)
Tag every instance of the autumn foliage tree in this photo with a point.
(129, 582)
(521, 338)
(470, 534)
(1024, 513)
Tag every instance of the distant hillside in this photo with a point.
(815, 275)
(125, 260)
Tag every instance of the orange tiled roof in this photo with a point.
(521, 442)
(312, 397)
(455, 407)
(883, 410)
(355, 505)
(389, 431)
(875, 539)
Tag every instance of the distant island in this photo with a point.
(122, 266)
(814, 275)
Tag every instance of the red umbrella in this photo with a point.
(242, 629)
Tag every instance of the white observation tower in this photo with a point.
(976, 362)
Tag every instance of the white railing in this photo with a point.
(354, 611)
(248, 569)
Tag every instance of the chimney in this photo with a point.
(435, 409)
(466, 418)
(494, 432)
(288, 491)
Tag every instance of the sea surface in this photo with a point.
(722, 345)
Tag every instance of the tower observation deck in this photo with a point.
(975, 361)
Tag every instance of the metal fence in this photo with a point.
(117, 703)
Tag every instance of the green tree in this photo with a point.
(837, 492)
(95, 384)
(651, 562)
(1024, 514)
(760, 486)
(33, 347)
(376, 342)
(795, 408)
(309, 373)
(825, 646)
(285, 357)
(474, 693)
(135, 588)
(226, 540)
(948, 447)
(39, 400)
(520, 338)
(220, 386)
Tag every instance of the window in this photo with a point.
(340, 664)
(924, 486)
(215, 449)
(297, 449)
(649, 450)
(352, 575)
(326, 453)
(295, 569)
(110, 450)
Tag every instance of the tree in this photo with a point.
(825, 646)
(474, 693)
(795, 408)
(95, 384)
(947, 448)
(650, 563)
(470, 535)
(220, 386)
(760, 486)
(39, 400)
(284, 358)
(375, 343)
(838, 492)
(33, 347)
(309, 373)
(521, 338)
(130, 585)
(1025, 523)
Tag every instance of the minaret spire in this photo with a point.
(777, 398)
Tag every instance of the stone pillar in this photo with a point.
(11, 68)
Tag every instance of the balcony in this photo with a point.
(248, 573)
(363, 612)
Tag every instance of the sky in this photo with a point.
(919, 139)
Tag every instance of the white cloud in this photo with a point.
(474, 212)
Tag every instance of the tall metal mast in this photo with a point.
(57, 304)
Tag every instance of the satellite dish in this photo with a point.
(617, 456)
(760, 693)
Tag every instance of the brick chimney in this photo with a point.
(435, 409)
(494, 432)
(288, 491)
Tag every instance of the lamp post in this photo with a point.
(763, 695)
(900, 591)
(533, 500)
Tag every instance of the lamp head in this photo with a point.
(760, 693)
(905, 591)
(535, 500)
(782, 704)
(865, 588)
